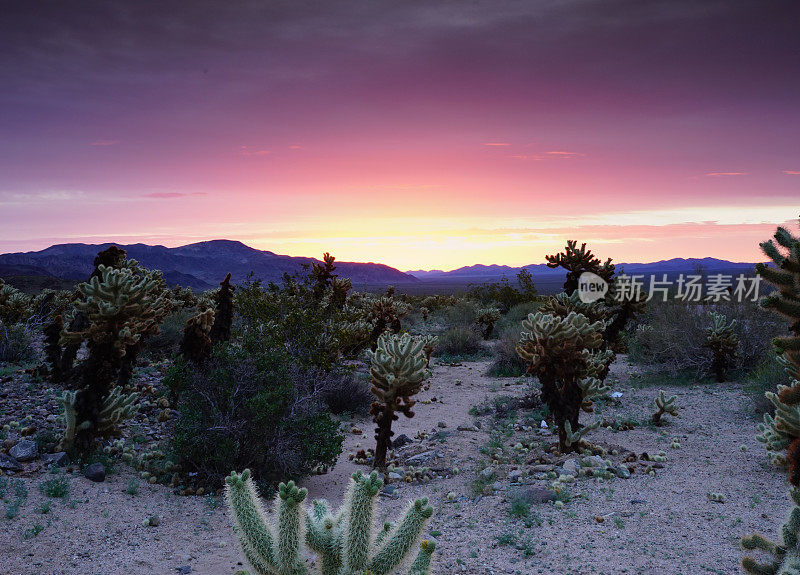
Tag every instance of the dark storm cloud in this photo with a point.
(630, 52)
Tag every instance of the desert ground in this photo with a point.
(494, 512)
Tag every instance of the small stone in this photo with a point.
(541, 468)
(152, 521)
(24, 450)
(9, 463)
(184, 570)
(540, 495)
(515, 475)
(487, 473)
(571, 466)
(497, 486)
(442, 424)
(621, 472)
(395, 476)
(59, 459)
(401, 440)
(95, 472)
(467, 428)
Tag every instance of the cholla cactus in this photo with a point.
(786, 554)
(559, 351)
(14, 305)
(397, 369)
(664, 405)
(782, 432)
(385, 315)
(345, 541)
(721, 339)
(223, 312)
(120, 309)
(563, 304)
(578, 260)
(116, 408)
(196, 342)
(486, 318)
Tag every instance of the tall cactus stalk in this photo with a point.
(563, 352)
(397, 369)
(721, 339)
(345, 541)
(120, 309)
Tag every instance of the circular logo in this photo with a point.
(591, 287)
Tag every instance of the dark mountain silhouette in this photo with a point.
(481, 272)
(200, 266)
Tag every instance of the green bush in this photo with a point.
(251, 406)
(671, 335)
(16, 343)
(165, 344)
(459, 342)
(507, 362)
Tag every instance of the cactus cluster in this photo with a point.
(196, 342)
(577, 261)
(397, 370)
(781, 433)
(721, 339)
(345, 541)
(223, 312)
(120, 309)
(486, 318)
(564, 353)
(664, 405)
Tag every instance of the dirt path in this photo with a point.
(656, 525)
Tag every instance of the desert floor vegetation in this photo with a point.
(503, 431)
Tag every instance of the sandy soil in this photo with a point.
(661, 524)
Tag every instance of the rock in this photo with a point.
(515, 475)
(487, 473)
(95, 472)
(401, 440)
(389, 491)
(184, 570)
(621, 472)
(571, 467)
(594, 461)
(638, 501)
(24, 450)
(442, 424)
(497, 486)
(421, 457)
(9, 463)
(59, 459)
(541, 468)
(467, 428)
(395, 476)
(539, 495)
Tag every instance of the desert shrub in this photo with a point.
(345, 392)
(671, 335)
(165, 344)
(16, 343)
(459, 342)
(513, 318)
(462, 314)
(766, 376)
(507, 362)
(503, 294)
(251, 406)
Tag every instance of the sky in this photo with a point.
(418, 134)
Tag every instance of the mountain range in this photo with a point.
(199, 266)
(482, 272)
(203, 265)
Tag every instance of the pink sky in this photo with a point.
(418, 135)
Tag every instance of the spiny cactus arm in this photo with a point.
(116, 408)
(388, 527)
(591, 387)
(324, 536)
(422, 562)
(573, 438)
(786, 560)
(250, 523)
(359, 507)
(402, 539)
(70, 418)
(664, 405)
(290, 527)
